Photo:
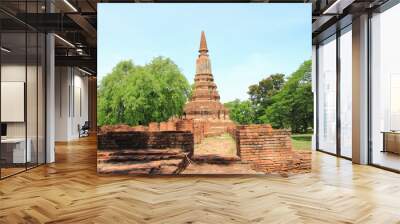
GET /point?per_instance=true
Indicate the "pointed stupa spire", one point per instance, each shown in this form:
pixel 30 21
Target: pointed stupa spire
pixel 203 43
pixel 205 102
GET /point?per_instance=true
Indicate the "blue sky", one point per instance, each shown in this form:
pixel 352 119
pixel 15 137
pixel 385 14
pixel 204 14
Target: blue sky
pixel 246 42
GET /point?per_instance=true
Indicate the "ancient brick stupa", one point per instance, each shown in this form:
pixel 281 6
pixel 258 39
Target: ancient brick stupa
pixel 204 103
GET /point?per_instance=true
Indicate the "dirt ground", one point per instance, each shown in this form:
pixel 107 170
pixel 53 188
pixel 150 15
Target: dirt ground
pixel 223 145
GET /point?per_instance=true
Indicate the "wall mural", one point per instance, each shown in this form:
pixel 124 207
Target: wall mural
pixel 152 121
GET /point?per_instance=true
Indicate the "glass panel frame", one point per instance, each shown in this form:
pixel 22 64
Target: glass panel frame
pixel 345 60
pixel 332 136
pixel 13 74
pixel 385 71
pixel 327 95
pixel 25 56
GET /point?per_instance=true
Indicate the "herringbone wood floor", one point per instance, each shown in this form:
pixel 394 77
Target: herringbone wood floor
pixel 70 191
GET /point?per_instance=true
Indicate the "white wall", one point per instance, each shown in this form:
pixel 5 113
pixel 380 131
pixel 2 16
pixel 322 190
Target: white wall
pixel 80 105
pixel 33 126
pixel 62 82
pixel 12 73
pixel 71 102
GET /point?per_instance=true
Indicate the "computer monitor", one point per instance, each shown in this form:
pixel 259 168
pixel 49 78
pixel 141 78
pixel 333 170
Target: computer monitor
pixel 3 129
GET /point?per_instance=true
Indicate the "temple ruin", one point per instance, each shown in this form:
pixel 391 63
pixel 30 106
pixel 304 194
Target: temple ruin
pixel 204 141
pixel 205 101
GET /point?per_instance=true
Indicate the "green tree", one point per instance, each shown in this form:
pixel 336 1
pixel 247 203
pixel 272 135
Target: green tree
pixel 261 94
pixel 111 108
pixel 292 107
pixel 137 95
pixel 241 112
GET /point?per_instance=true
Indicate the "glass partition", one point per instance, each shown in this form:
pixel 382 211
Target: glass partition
pixel 385 89
pixel 327 95
pixel 14 153
pixel 22 77
pixel 346 92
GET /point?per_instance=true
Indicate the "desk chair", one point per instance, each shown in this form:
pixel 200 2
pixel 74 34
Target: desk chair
pixel 84 130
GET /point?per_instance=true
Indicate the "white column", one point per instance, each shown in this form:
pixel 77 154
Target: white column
pixel 50 91
pixel 50 99
pixel 360 90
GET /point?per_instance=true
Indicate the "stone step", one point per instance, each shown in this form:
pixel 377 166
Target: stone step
pixel 170 166
pixel 166 151
pixel 140 158
pixel 139 155
pixel 213 134
pixel 216 159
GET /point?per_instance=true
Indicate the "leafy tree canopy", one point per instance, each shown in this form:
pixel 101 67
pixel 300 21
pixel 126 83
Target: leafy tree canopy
pixel 241 111
pixel 261 94
pixel 136 95
pixel 279 102
pixel 293 105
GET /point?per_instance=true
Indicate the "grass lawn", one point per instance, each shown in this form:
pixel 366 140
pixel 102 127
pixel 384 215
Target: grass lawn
pixel 301 141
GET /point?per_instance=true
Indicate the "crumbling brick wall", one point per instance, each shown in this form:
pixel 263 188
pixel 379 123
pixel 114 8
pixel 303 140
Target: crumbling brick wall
pixel 199 128
pixel 232 131
pixel 184 125
pixel 140 128
pixel 269 150
pixel 145 140
pixel 196 127
pixel 217 127
pixel 144 152
pixel 163 126
pixel 154 126
pixel 116 128
pixel 171 125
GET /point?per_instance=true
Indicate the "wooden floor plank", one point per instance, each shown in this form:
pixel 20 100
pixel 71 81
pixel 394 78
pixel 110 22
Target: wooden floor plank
pixel 70 191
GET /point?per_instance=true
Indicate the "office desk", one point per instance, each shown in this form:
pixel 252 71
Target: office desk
pixel 13 150
pixel 391 141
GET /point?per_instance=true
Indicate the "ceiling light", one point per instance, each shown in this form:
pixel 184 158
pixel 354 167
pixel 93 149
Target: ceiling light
pixel 79 51
pixel 5 50
pixel 70 5
pixel 84 71
pixel 64 40
pixel 332 8
pixel 337 7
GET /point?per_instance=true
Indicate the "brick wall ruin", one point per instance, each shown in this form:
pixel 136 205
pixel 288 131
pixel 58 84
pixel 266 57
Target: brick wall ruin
pixel 165 147
pixel 269 150
pixel 144 152
pixel 143 140
pixel 232 131
pixel 200 128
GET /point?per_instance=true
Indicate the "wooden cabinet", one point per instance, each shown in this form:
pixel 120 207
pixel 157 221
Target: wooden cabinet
pixel 391 142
